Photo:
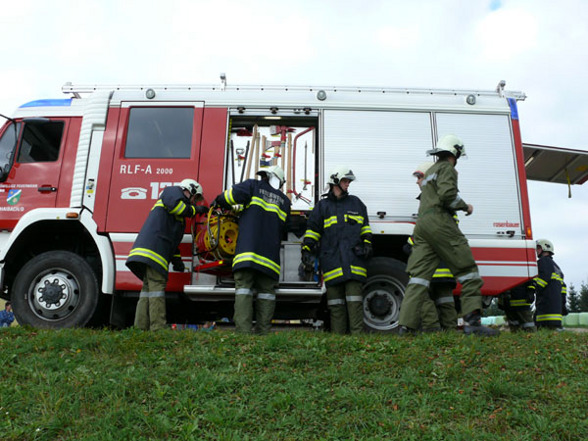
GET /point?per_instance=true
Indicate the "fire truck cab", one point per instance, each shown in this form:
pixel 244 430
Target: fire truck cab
pixel 78 177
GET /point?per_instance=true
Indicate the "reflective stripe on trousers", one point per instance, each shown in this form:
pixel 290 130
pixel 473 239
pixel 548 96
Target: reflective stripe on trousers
pixel 151 295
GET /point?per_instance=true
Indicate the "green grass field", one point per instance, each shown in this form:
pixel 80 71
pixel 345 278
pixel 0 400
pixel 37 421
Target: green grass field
pixel 299 385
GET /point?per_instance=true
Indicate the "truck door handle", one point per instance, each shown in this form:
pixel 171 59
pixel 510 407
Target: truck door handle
pixel 46 188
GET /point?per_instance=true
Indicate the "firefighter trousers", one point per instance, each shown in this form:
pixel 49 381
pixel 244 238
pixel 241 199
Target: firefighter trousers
pixel 247 283
pixel 150 313
pixel 345 303
pixel 429 316
pixel 437 238
pixel 442 295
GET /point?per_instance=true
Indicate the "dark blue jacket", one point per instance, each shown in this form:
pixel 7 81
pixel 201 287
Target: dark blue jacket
pixel 339 225
pixel 550 289
pixel 161 233
pixel 261 225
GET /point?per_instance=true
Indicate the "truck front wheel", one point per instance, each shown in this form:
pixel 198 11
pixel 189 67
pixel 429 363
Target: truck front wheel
pixel 383 293
pixel 56 289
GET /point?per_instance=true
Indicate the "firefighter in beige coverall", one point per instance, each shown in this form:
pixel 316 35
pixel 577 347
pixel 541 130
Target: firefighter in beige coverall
pixel 438 311
pixel 438 238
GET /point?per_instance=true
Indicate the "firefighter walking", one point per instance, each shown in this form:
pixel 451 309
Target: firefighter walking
pixel 338 231
pixel 256 265
pixel 550 303
pixel 157 245
pixel 438 311
pixel 438 238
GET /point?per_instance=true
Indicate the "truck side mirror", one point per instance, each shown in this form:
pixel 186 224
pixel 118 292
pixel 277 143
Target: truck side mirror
pixel 4 172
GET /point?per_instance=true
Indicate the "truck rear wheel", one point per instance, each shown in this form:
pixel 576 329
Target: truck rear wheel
pixel 56 289
pixel 383 293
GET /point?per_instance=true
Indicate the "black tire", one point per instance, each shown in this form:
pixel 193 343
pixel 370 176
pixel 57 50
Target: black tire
pixel 383 293
pixel 56 289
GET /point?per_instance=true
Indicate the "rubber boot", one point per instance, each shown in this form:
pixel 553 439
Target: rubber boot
pixel 473 325
pixel 157 314
pixel 403 331
pixel 142 314
pixel 264 312
pixel 355 311
pixel 243 316
pixel 338 319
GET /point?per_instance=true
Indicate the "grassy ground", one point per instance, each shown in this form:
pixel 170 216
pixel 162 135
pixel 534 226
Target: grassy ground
pixel 301 385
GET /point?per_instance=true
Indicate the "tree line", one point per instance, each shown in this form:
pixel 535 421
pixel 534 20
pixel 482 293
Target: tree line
pixel 578 301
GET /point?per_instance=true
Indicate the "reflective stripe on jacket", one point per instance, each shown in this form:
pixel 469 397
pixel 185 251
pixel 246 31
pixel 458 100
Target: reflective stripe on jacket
pixel 161 233
pixel 339 225
pixel 261 225
pixel 550 288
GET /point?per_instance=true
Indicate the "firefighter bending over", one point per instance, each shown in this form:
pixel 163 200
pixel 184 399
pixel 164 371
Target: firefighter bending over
pixel 438 238
pixel 338 231
pixel 157 245
pixel 256 266
pixel 551 295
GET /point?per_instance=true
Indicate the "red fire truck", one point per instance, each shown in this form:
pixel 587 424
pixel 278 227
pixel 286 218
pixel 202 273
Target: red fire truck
pixel 79 175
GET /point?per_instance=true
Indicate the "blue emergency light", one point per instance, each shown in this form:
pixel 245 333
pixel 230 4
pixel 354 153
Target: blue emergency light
pixel 49 103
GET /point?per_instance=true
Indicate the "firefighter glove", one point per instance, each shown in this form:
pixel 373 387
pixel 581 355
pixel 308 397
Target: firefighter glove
pixel 364 251
pixel 201 209
pixel 307 261
pixel 407 248
pixel 220 201
pixel 177 264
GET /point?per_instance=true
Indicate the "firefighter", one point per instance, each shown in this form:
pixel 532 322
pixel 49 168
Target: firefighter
pixel 256 265
pixel 157 245
pixel 338 231
pixel 516 304
pixel 550 297
pixel 439 309
pixel 438 238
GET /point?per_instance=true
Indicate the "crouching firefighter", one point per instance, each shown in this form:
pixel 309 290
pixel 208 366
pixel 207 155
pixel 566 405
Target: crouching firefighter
pixel 516 304
pixel 256 265
pixel 157 245
pixel 338 231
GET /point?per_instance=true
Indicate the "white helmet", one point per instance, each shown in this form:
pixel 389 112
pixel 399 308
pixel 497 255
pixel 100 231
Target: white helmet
pixel 545 245
pixel 338 173
pixel 421 170
pixel 275 172
pixel 193 187
pixel 451 144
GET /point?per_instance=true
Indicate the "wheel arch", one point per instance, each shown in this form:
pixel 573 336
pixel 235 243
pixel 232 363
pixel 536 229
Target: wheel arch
pixel 51 230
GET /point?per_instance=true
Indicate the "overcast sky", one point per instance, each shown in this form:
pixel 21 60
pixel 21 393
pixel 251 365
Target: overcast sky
pixel 539 47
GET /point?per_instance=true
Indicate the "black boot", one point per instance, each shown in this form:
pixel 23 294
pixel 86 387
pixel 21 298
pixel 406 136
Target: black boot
pixel 403 331
pixel 473 325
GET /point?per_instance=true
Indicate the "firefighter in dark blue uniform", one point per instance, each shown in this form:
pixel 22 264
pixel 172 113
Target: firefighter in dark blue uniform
pixel 256 265
pixel 338 231
pixel 550 297
pixel 516 304
pixel 157 245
